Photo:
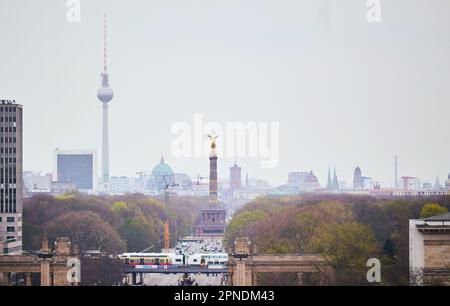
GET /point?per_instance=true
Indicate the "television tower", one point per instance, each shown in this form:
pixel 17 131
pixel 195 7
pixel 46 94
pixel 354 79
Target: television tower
pixel 105 95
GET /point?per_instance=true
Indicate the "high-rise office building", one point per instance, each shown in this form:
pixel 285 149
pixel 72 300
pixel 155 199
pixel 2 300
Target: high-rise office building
pixel 11 187
pixel 76 167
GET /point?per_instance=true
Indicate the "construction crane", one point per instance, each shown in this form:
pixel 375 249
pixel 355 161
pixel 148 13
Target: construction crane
pixel 166 236
pixel 166 189
pixel 199 178
pixel 166 201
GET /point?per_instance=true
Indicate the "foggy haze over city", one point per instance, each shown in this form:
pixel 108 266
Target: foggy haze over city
pixel 345 92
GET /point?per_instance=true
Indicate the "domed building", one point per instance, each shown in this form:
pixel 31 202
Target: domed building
pixel 162 174
pixel 310 183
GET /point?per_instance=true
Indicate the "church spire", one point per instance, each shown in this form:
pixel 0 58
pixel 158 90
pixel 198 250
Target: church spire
pixel 329 187
pixel 335 180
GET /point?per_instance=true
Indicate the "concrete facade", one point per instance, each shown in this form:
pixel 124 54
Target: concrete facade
pixel 243 266
pixel 212 223
pixel 11 181
pixel 429 250
pixel 58 267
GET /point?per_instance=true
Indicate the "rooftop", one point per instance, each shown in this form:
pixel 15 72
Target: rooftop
pixel 443 217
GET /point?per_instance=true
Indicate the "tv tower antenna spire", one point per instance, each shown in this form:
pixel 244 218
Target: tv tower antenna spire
pixel 104 48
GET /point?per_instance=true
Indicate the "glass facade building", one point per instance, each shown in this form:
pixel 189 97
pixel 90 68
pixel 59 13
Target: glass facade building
pixel 77 168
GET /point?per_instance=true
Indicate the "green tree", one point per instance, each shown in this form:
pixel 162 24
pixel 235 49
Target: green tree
pixel 432 209
pixel 87 230
pixel 346 247
pixel 140 234
pixel 243 224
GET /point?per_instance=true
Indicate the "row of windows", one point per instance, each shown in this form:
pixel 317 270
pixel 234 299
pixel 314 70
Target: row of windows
pixel 8 150
pixel 11 181
pixel 8 209
pixel 7 174
pixel 8 139
pixel 11 160
pixel 6 197
pixel 7 119
pixel 6 129
pixel 8 109
pixel 8 219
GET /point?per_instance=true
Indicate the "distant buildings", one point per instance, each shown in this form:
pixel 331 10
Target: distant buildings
pixel 299 182
pixel 58 188
pixel 447 182
pixel 119 184
pixel 333 183
pixel 162 175
pixel 297 179
pixel 311 183
pixel 36 182
pixel 410 183
pixel 11 186
pixel 368 183
pixel 358 181
pixel 235 177
pixel 437 183
pixel 76 167
pixel 427 185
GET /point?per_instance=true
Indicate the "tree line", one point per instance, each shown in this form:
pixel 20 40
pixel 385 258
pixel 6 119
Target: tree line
pixel 347 230
pixel 108 224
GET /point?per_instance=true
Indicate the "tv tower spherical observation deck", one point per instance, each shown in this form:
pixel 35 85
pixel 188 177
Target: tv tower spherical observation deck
pixel 105 93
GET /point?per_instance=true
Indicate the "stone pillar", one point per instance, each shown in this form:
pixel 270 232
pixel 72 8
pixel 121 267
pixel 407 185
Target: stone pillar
pixel 213 179
pixel 242 275
pixel 6 278
pixel 62 246
pixel 299 278
pixel 28 279
pixel 254 279
pixel 45 273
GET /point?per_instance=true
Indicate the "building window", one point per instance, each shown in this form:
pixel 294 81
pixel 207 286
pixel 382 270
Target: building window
pixel 1 218
pixel 10 219
pixel 10 229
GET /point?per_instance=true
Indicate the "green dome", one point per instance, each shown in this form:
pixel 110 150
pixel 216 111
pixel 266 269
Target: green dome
pixel 162 175
pixel 162 169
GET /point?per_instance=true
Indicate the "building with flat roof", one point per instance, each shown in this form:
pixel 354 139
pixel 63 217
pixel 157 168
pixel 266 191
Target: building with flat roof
pixel 36 182
pixel 77 167
pixel 11 186
pixel 429 250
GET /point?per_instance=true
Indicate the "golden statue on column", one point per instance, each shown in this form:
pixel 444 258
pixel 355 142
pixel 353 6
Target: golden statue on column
pixel 213 143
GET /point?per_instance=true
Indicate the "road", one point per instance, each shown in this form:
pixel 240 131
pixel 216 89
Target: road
pixel 208 245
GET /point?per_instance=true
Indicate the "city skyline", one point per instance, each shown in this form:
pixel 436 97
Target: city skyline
pixel 165 72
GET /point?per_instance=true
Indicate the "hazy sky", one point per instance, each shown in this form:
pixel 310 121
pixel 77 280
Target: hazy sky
pixel 345 91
